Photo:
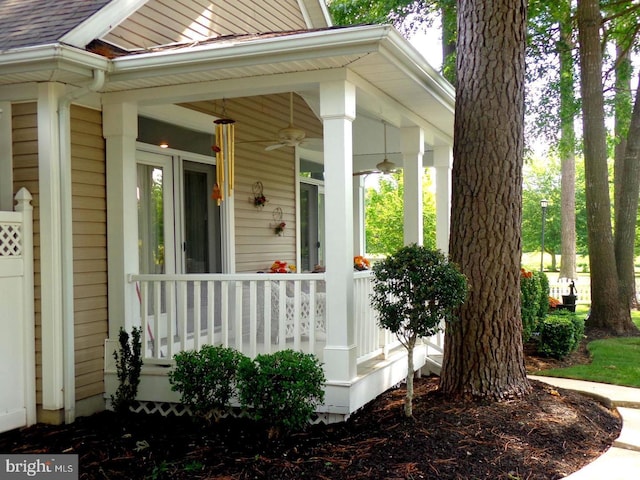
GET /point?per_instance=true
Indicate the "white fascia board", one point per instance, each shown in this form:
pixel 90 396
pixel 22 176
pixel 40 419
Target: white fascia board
pixel 101 22
pixel 355 40
pixel 56 56
pixel 177 115
pixel 406 56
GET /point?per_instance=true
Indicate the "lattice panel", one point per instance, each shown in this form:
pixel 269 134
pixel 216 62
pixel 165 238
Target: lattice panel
pixel 166 409
pixel 10 240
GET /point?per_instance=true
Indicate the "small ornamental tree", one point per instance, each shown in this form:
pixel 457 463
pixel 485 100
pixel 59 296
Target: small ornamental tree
pixel 414 291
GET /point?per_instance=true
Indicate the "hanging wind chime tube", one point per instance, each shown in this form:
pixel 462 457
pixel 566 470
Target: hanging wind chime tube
pixel 225 157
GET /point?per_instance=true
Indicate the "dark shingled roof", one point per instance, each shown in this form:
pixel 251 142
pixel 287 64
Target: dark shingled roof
pixel 25 23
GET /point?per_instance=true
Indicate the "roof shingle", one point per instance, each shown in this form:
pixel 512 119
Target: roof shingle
pixel 25 23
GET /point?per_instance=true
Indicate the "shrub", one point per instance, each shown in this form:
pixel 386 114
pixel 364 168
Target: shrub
pixel 281 389
pixel 560 334
pixel 414 291
pixel 543 294
pixel 206 379
pixel 128 367
pixel 529 302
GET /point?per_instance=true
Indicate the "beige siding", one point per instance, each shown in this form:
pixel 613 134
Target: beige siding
pixel 161 22
pixel 260 118
pixel 89 249
pixel 25 174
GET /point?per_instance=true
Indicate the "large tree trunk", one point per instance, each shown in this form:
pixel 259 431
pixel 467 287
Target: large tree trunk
pixel 609 309
pixel 626 176
pixel 567 148
pixel 627 209
pixel 483 350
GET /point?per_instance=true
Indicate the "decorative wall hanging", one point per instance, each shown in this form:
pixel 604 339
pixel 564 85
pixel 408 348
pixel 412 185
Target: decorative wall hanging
pixel 279 225
pixel 225 157
pixel 259 200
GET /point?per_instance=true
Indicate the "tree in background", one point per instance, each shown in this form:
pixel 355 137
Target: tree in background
pixel 542 180
pixel 384 214
pixel 609 307
pixel 483 356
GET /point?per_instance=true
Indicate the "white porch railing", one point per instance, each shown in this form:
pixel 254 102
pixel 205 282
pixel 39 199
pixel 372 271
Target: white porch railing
pixel 253 313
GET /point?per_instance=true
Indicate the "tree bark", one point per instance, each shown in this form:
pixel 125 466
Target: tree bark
pixel 567 149
pixel 609 309
pixel 627 209
pixel 483 355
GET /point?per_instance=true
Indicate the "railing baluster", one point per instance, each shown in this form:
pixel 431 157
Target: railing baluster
pixel 313 321
pixel 253 319
pixel 157 310
pixel 171 327
pixel 282 314
pixel 197 299
pixel 225 313
pixel 267 315
pixel 238 316
pixel 143 291
pixel 210 312
pixel 182 315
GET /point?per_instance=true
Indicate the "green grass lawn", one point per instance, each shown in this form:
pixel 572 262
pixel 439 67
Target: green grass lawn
pixel 615 361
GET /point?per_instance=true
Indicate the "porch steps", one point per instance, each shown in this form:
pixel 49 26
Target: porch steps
pixel 433 365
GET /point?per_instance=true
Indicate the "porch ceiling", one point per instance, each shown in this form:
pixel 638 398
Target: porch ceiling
pixel 384 66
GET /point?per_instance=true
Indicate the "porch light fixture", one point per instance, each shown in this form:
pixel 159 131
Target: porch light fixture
pixel 164 145
pixel 225 154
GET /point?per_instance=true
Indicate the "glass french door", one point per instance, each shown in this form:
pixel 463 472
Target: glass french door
pixel 201 225
pixel 312 225
pixel 178 223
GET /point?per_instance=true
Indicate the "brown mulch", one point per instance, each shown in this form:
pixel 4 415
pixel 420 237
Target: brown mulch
pixel 547 435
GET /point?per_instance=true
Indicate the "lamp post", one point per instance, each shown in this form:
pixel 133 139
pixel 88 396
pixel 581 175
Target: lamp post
pixel 543 205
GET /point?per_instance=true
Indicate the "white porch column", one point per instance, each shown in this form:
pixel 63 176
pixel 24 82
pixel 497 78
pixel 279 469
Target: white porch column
pixel 337 109
pixel 412 146
pixel 120 129
pixel 6 158
pixel 359 243
pixel 50 245
pixel 443 162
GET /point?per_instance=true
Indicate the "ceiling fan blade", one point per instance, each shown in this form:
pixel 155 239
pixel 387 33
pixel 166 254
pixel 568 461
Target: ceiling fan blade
pixel 275 146
pixel 366 172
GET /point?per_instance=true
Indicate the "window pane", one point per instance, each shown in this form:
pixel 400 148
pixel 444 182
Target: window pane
pixel 151 241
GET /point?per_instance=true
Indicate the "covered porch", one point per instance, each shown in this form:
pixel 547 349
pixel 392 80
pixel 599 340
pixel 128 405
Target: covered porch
pixel 350 84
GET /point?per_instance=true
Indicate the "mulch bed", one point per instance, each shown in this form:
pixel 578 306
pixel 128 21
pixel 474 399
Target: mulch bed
pixel 547 435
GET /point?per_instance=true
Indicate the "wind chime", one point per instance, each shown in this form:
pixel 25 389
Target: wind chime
pixel 225 157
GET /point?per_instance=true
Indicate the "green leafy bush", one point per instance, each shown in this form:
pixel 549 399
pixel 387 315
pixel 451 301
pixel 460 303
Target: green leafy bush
pixel 543 294
pixel 560 334
pixel 206 379
pixel 529 302
pixel 414 291
pixel 282 388
pixel 128 367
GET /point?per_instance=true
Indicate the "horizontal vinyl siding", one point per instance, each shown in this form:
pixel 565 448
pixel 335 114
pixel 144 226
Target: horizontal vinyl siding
pixel 25 174
pixel 260 118
pixel 161 22
pixel 89 249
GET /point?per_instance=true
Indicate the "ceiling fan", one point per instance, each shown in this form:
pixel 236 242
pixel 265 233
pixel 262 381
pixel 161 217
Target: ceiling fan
pixel 291 136
pixel 385 166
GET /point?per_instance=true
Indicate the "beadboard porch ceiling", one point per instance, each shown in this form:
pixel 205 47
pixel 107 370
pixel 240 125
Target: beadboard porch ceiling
pixel 383 65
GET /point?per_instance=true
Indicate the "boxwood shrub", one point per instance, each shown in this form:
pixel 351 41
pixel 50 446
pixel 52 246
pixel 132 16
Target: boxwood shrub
pixel 560 334
pixel 206 379
pixel 281 389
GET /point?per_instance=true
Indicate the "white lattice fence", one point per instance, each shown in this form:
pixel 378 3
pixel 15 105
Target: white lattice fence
pixel 17 350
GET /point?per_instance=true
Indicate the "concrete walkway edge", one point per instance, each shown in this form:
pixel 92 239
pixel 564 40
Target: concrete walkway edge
pixel 622 460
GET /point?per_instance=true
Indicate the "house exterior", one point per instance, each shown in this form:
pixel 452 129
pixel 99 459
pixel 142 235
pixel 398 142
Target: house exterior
pixel 108 120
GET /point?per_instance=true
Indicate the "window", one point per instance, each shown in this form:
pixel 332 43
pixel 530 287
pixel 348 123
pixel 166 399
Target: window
pixel 312 226
pixel 178 222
